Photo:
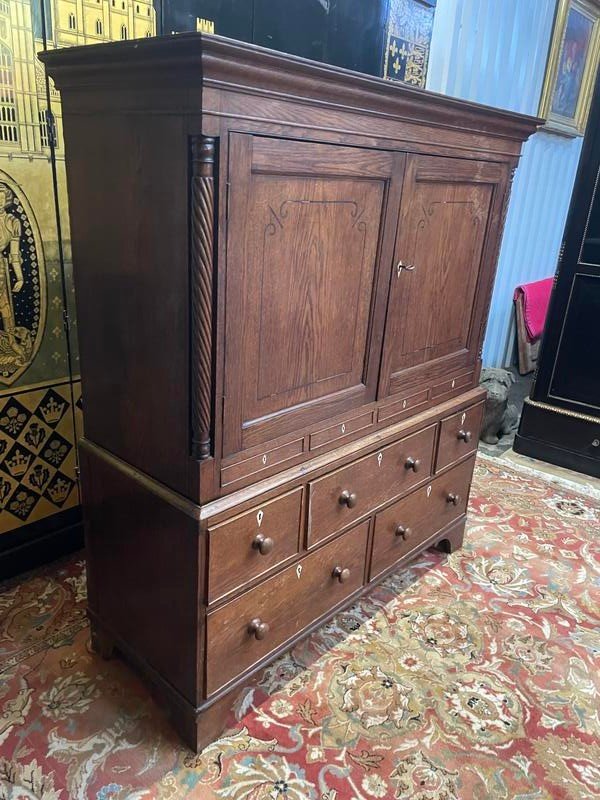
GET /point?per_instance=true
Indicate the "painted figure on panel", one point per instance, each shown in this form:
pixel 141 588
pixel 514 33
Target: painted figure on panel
pixel 15 340
pixel 572 63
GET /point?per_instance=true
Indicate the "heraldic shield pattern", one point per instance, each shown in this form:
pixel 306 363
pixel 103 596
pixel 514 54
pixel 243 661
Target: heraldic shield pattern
pixel 37 454
pixel 474 675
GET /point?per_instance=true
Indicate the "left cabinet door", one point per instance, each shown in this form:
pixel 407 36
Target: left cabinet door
pixel 309 248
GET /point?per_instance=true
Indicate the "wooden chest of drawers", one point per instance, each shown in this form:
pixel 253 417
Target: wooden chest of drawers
pixel 280 330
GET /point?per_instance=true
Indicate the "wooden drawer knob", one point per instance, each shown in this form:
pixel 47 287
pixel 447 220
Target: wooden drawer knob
pixel 405 533
pixel 258 628
pixel 453 498
pixel 341 574
pixel 466 436
pixel 348 499
pixel 264 544
pixel 413 463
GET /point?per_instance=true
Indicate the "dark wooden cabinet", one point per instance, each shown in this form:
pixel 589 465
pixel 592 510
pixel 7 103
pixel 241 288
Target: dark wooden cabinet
pixel 560 422
pixel 283 272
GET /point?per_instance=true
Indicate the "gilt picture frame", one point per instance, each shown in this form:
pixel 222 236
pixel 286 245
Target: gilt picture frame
pixel 571 68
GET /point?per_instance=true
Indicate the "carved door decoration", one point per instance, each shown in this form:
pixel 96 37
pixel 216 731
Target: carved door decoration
pixel 302 278
pixel 22 283
pixel 441 247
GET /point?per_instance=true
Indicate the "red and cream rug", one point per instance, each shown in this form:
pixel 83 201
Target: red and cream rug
pixel 470 676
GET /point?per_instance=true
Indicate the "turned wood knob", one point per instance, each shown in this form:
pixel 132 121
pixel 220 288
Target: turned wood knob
pixel 413 463
pixel 264 544
pixel 348 498
pixel 453 498
pixel 341 574
pixel 258 628
pixel 466 436
pixel 405 533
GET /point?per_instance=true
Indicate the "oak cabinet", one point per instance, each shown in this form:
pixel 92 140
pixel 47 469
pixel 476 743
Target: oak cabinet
pixel 282 276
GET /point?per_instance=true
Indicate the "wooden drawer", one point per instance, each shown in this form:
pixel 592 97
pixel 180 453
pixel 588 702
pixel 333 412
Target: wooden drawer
pixel 261 462
pixel 341 429
pixel 459 435
pixel 252 543
pixel 286 603
pixel 367 483
pixel 404 526
pixel 452 384
pixel 404 405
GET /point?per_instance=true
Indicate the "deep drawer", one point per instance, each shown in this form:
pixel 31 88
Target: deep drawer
pixel 248 545
pixel 459 435
pixel 338 499
pixel 248 628
pixel 405 525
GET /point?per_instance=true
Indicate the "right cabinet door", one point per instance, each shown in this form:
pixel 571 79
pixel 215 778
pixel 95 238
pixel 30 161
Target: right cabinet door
pixel 446 249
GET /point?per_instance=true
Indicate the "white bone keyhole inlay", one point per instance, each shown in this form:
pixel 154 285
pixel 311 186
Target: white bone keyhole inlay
pixel 379 459
pixel 404 404
pixel 299 571
pixel 462 419
pixel 343 427
pixel 453 384
pixel 429 491
pixel 264 459
pixel 259 517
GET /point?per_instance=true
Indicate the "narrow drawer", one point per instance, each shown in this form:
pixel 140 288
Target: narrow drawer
pixel 450 385
pixel 258 463
pixel 404 526
pixel 250 627
pixel 252 543
pixel 338 499
pixel 459 435
pixel 342 429
pixel 403 405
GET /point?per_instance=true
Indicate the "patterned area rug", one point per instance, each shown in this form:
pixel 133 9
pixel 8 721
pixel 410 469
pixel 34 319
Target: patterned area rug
pixel 469 676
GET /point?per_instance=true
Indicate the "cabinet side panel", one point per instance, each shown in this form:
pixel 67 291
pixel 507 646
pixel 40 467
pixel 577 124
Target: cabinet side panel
pixel 143 565
pixel 128 192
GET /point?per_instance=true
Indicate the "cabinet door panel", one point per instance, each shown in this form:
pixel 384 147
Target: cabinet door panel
pixel 305 234
pixel 444 262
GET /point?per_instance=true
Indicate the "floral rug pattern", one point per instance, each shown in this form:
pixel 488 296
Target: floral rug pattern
pixel 475 675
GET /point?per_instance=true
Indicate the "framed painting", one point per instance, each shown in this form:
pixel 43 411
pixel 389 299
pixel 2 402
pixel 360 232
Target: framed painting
pixel 571 68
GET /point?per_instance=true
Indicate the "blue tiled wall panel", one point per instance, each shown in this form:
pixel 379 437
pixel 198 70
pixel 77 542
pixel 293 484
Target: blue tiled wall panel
pixel 495 53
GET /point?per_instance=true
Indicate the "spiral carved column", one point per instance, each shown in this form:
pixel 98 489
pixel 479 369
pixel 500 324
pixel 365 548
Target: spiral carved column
pixel 202 254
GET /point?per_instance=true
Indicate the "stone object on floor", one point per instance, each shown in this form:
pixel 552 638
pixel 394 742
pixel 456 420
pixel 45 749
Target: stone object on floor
pixel 500 418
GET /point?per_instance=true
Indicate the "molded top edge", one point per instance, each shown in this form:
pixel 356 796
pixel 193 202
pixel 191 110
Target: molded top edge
pixel 203 57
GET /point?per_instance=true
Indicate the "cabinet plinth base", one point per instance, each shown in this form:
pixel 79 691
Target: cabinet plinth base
pixel 452 540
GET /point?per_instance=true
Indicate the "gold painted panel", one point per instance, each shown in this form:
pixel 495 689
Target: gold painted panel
pixel 40 409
